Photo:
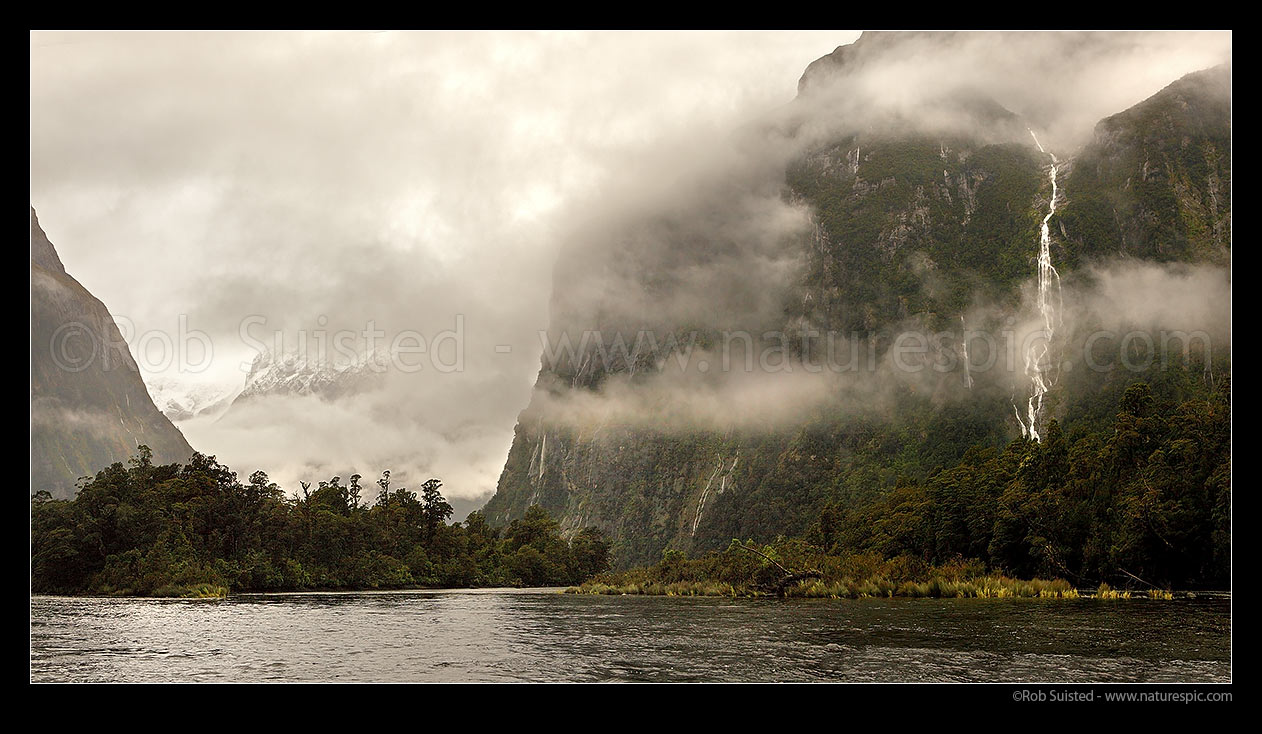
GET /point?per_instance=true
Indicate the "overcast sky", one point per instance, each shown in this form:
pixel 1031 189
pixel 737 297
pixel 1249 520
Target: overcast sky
pixel 408 180
pixel 336 179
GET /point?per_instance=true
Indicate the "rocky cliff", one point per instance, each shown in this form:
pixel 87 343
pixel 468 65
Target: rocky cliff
pixel 905 227
pixel 89 406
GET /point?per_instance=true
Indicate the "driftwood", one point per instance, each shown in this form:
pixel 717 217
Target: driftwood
pixel 1128 573
pixel 790 577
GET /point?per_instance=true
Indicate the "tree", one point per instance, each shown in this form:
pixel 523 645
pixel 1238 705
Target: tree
pixel 589 554
pixel 434 508
pixel 383 498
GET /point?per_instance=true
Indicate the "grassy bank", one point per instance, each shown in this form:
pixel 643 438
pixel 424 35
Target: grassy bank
pixel 988 587
pixel 794 569
pixel 197 591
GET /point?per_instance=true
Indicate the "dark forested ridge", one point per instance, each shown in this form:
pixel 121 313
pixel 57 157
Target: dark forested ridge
pixel 1146 499
pixel 1142 501
pixel 194 529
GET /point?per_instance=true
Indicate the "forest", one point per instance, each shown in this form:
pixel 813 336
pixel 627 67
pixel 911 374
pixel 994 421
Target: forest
pixel 195 530
pixel 1143 504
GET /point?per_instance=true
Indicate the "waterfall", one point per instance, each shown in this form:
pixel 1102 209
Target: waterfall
pixel 968 375
pixel 705 493
pixel 1039 373
pixel 696 520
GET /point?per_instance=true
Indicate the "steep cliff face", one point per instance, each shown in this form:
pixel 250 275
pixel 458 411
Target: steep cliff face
pixel 905 228
pixel 89 406
pixel 1155 183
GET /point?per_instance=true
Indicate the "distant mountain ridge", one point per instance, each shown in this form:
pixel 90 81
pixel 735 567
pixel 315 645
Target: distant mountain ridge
pixel 293 373
pixel 180 400
pixel 298 372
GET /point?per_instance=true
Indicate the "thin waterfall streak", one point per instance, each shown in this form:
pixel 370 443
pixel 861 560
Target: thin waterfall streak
pixel 1048 277
pixel 696 521
pixel 968 375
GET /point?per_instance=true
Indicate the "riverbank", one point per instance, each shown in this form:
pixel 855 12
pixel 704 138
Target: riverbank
pixel 988 587
pixel 795 569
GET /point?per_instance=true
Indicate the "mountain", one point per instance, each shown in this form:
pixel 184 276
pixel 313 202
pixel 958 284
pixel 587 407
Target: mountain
pixel 89 405
pixel 294 372
pixel 180 400
pixel 1155 182
pixel 911 227
pixel 303 372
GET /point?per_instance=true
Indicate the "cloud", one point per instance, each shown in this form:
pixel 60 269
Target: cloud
pixel 330 181
pixel 1151 295
pixel 1060 83
pixel 397 181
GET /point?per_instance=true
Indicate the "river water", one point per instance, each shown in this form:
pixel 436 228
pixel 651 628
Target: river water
pixel 542 635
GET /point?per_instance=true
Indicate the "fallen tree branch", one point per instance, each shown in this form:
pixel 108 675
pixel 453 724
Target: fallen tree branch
pixel 790 577
pixel 742 546
pixel 1128 573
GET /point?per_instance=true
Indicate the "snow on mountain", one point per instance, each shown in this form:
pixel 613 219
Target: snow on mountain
pixel 289 373
pixel 181 400
pixel 301 373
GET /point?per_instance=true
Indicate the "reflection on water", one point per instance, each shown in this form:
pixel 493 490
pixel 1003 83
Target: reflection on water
pixel 509 635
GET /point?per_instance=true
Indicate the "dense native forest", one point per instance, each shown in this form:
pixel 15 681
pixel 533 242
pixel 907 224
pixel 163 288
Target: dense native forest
pixel 1148 500
pixel 975 203
pixel 1144 503
pixel 194 529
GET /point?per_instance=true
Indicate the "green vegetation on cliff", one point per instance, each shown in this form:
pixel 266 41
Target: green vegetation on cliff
pixel 891 212
pixel 1156 181
pixel 1145 501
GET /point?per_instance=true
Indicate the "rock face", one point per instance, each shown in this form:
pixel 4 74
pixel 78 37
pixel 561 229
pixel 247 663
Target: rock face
pixel 906 228
pixel 89 405
pixel 1156 181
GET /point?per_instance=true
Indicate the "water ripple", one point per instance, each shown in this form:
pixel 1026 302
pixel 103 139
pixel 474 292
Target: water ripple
pixel 533 635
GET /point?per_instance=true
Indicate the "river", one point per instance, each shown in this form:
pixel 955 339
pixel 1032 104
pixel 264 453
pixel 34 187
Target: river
pixel 542 635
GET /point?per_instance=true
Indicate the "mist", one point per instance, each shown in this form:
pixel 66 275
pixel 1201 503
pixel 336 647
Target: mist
pixel 1059 83
pixel 521 183
pixel 705 237
pixel 341 182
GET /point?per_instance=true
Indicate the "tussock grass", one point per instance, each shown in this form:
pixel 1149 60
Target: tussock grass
pixel 985 587
pixel 677 588
pixel 1108 592
pixel 738 572
pixel 195 591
